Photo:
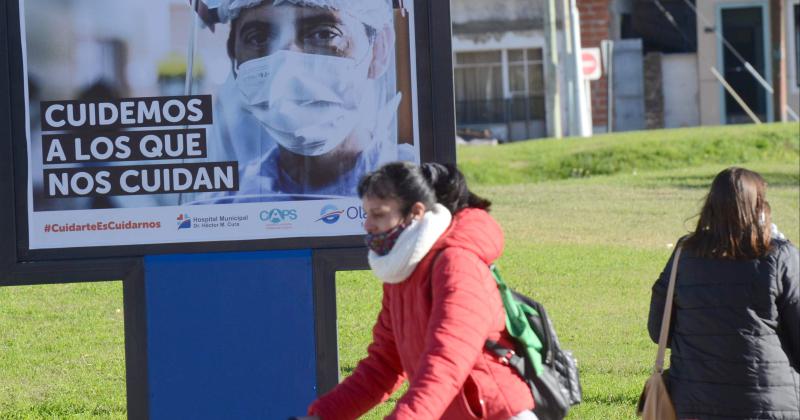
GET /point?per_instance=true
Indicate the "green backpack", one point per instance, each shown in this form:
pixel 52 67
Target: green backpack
pixel 551 373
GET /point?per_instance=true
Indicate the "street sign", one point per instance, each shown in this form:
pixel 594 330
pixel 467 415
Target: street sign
pixel 591 64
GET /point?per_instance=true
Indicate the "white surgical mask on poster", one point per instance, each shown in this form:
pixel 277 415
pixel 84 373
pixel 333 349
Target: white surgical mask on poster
pixel 309 103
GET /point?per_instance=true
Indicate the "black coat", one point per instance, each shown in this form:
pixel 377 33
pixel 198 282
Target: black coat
pixel 735 335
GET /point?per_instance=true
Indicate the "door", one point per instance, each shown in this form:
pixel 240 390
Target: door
pixel 743 28
pixel 628 79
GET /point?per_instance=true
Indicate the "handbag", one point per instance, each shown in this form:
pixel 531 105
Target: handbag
pixel 655 403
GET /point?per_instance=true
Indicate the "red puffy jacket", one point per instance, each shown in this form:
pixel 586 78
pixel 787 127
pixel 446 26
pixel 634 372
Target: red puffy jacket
pixel 431 329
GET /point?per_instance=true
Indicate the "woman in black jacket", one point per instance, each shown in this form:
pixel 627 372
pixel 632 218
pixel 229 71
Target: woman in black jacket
pixel 735 333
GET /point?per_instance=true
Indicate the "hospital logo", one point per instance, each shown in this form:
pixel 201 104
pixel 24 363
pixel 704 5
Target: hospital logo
pixel 184 222
pixel 330 214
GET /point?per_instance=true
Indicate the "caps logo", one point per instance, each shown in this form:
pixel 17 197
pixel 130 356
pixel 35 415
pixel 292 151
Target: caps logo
pixel 277 216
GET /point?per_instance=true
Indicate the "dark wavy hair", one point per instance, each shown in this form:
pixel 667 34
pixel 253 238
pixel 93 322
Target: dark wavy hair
pixel 429 183
pixel 735 219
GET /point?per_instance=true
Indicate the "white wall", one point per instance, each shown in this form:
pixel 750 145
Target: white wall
pixel 681 90
pixel 499 41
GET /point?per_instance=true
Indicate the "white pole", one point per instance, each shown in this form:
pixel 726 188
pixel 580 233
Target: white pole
pixel 588 89
pixel 792 114
pixel 584 117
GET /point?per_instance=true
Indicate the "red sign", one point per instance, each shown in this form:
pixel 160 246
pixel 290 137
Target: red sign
pixel 590 63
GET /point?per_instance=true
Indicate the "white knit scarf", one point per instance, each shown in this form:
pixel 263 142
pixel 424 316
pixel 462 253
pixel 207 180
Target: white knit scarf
pixel 411 247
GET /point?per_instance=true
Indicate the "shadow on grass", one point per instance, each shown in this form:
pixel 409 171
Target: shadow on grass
pixel 782 179
pixel 703 182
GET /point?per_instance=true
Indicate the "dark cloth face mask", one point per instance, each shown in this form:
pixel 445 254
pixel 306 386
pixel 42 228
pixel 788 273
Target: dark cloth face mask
pixel 382 243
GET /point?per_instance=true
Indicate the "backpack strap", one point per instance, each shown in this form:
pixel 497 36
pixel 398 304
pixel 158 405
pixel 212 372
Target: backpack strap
pixel 548 340
pixel 518 324
pixel 507 356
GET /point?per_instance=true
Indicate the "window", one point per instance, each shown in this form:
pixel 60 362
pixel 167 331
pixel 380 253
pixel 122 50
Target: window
pixel 479 75
pixel 492 87
pixel 479 86
pixel 526 84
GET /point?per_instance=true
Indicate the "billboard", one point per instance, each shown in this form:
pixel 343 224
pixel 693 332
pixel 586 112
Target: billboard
pixel 150 122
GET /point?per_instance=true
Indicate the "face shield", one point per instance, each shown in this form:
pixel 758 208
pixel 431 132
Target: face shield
pixel 312 72
pixel 374 13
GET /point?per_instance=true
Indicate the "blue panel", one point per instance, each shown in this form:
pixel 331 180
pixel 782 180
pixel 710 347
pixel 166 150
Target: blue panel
pixel 230 335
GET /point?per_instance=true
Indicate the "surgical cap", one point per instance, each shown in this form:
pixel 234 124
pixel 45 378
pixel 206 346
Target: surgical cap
pixel 374 13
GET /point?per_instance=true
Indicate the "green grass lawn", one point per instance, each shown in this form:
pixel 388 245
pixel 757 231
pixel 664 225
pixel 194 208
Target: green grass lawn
pixel 588 243
pixel 62 352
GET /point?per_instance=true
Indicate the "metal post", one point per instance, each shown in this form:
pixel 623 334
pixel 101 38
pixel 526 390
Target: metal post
pixel 608 57
pixel 552 79
pixel 583 116
pixel 778 57
pixel 570 70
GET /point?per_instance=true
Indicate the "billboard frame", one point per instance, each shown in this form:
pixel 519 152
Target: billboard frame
pixel 19 265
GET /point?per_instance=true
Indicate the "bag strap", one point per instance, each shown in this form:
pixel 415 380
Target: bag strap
pixel 546 337
pixel 533 346
pixel 507 356
pixel 663 337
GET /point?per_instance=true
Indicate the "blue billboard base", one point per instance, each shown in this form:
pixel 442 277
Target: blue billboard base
pixel 230 335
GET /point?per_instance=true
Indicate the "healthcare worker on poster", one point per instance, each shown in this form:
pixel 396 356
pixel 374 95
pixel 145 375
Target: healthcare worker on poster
pixel 311 101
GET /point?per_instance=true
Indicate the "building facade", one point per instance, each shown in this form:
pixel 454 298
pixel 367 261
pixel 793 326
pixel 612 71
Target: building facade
pixel 498 69
pixel 737 38
pixel 751 44
pixel 657 72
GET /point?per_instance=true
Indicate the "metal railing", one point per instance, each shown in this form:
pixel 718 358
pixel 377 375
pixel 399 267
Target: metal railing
pixel 500 111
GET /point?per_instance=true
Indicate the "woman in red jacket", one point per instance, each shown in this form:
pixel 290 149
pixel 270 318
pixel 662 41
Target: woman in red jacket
pixel 431 241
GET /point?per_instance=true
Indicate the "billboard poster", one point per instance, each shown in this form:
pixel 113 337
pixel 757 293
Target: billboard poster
pixel 178 121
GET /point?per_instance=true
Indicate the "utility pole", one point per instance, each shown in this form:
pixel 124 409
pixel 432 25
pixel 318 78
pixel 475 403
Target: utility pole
pixel 607 46
pixel 568 61
pixel 552 88
pixel 778 57
pixel 581 118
